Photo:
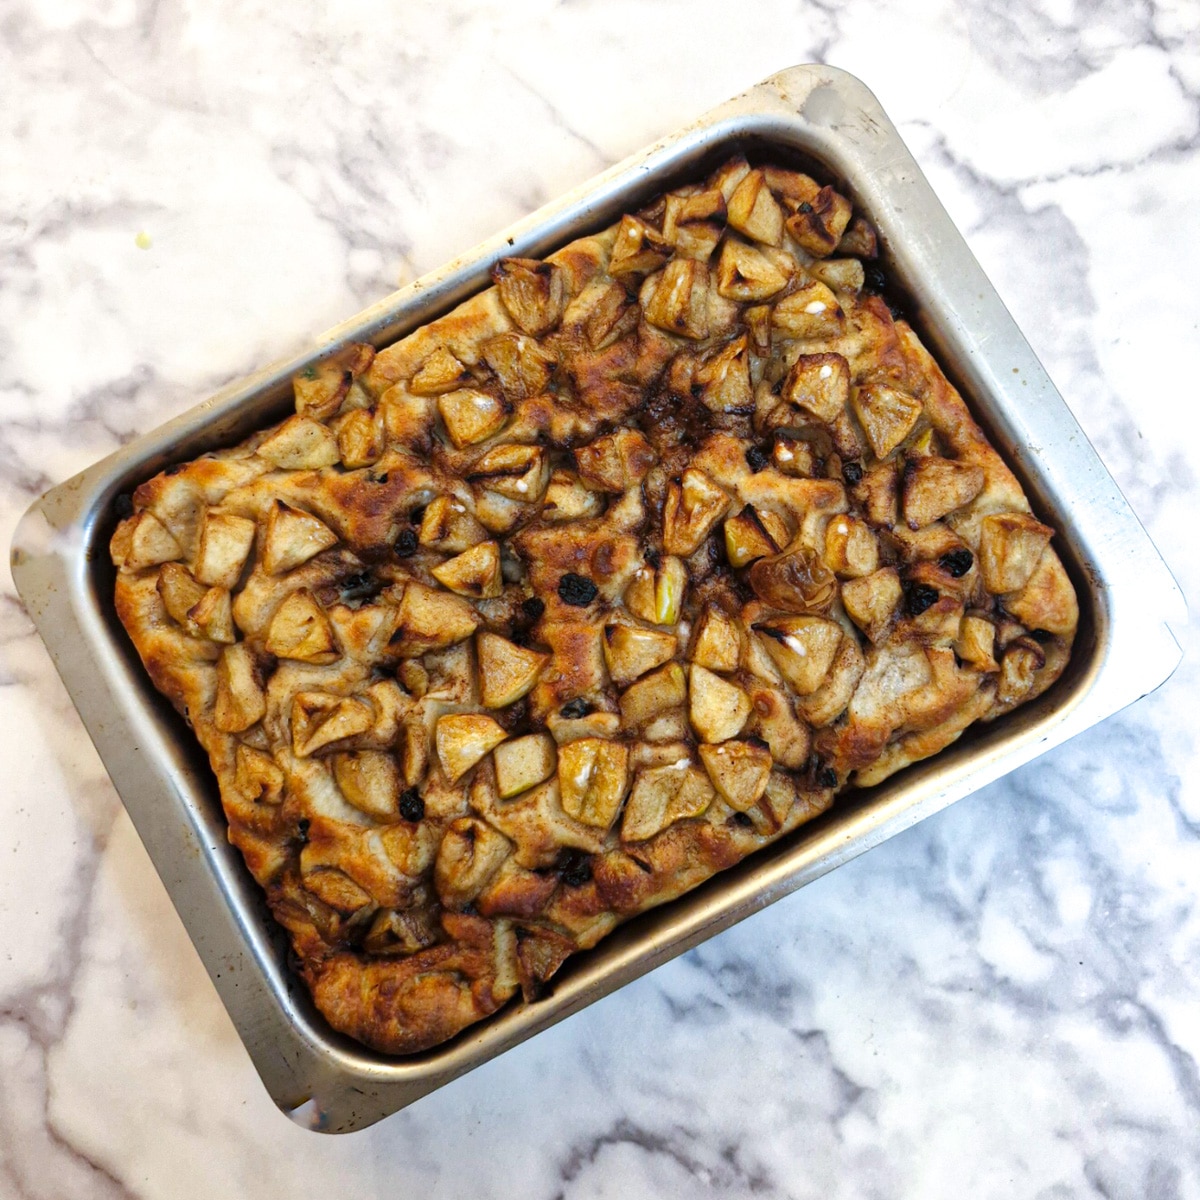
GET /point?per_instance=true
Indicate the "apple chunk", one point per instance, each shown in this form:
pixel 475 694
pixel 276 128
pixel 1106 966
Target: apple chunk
pixel 506 671
pixel 630 651
pixel 593 777
pixel 523 763
pixel 718 708
pixel 739 771
pixel 462 739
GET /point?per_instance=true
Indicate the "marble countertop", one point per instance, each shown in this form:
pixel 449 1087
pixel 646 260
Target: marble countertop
pixel 1003 1001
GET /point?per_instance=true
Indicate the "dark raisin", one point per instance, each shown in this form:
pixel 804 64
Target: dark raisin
pixel 417 515
pixel 874 280
pixel 740 818
pixel 852 473
pixel 515 718
pixel 362 585
pixel 302 827
pixel 577 590
pixel 406 544
pixel 533 608
pixel 1041 636
pixel 574 867
pixel 897 309
pixel 574 709
pixel 653 557
pixel 756 459
pixel 412 807
pixel 123 505
pixel 805 207
pixel 918 597
pixel 827 777
pixel 957 562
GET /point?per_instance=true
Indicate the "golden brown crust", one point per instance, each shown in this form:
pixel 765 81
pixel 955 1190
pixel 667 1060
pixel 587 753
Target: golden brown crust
pixel 556 607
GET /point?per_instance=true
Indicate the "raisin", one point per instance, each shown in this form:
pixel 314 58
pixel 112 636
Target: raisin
pixel 827 777
pixel 380 478
pixel 412 807
pixel 406 544
pixel 852 473
pixel 918 597
pixel 123 505
pixel 756 460
pixel 805 207
pixel 573 709
pixel 417 515
pixel 533 608
pixel 302 827
pixel 740 818
pixel 1041 636
pixel 574 868
pixel 957 562
pixel 577 590
pixel 653 557
pixel 874 280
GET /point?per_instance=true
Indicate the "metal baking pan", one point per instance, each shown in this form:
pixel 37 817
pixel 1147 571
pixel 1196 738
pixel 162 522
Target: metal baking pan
pixel 813 116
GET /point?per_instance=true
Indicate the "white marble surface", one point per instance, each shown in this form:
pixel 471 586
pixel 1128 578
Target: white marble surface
pixel 1003 1002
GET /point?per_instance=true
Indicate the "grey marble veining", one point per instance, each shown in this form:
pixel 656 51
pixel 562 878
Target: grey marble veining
pixel 1002 1002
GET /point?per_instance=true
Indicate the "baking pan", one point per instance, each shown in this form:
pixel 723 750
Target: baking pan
pixel 811 116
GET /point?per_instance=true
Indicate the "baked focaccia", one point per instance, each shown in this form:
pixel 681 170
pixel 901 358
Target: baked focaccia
pixel 576 596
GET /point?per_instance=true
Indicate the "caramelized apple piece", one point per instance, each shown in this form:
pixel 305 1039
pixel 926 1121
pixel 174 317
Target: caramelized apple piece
pixel 656 595
pixel 694 505
pixel 300 630
pixel 441 372
pixel 746 274
pixel 871 602
pixel 359 439
pixel 533 292
pixel 370 781
pixel 638 250
pixel 463 739
pixel 851 550
pixel 471 416
pixel 935 487
pixel 593 777
pixel 225 541
pixel 716 641
pixel 1010 547
pixel 630 651
pixel 803 648
pixel 616 462
pixel 886 414
pixel 292 537
pixel 718 709
pixel 300 444
pixel 811 311
pixel 663 795
pixel 429 619
pixel 755 212
pixel 447 525
pixel 679 304
pixel 522 366
pixel 506 671
pixel 819 384
pixel 739 771
pixel 240 701
pixel 474 572
pixel 523 763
